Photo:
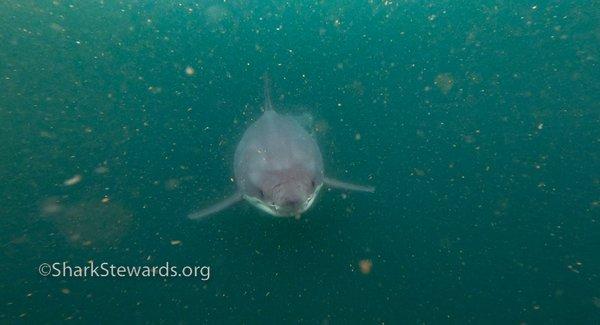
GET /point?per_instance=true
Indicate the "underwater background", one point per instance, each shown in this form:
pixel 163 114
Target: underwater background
pixel 477 122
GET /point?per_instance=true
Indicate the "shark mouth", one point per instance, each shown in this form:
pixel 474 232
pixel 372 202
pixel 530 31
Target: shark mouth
pixel 274 209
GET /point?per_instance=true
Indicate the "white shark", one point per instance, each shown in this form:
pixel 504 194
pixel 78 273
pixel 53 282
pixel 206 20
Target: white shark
pixel 278 167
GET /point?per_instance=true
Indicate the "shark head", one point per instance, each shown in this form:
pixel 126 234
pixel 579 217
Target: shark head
pixel 286 193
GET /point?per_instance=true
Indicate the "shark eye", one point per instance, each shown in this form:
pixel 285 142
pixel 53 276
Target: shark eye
pixel 262 194
pixel 312 183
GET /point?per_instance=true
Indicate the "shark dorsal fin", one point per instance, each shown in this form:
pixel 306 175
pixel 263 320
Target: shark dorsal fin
pixel 267 93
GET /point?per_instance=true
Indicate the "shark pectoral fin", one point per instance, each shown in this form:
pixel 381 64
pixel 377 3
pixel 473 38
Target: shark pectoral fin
pixel 347 186
pixel 216 207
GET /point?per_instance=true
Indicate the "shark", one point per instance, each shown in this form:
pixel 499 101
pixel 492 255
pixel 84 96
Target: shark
pixel 278 167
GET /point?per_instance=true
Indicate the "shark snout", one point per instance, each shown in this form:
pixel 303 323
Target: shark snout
pixel 292 198
pixel 293 203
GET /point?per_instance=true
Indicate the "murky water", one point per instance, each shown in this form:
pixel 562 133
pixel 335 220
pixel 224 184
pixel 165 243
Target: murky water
pixel 477 123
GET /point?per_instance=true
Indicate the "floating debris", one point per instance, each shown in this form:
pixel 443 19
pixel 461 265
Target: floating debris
pixel 73 180
pixel 418 172
pixel 175 242
pixel 154 89
pixel 101 170
pixel 468 138
pixel 365 266
pixel 57 28
pixel 321 126
pixel 216 14
pixel 172 184
pixel 444 82
pixel 51 206
pixel 190 71
pixel 47 135
pixel 92 223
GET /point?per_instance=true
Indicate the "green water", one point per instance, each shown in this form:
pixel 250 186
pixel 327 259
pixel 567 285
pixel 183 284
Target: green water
pixel 478 122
